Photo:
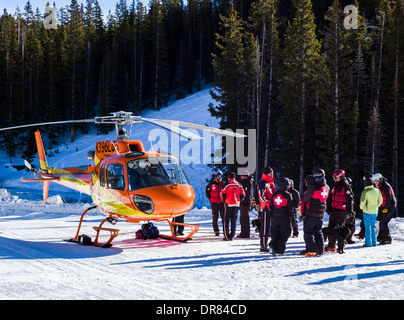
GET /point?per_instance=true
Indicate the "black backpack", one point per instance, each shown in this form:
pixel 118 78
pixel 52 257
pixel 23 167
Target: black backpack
pixel 84 240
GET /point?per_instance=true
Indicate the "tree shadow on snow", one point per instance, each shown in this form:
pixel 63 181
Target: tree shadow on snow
pixel 28 250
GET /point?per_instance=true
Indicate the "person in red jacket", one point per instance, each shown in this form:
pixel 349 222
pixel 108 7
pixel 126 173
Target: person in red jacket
pixel 213 193
pixel 266 189
pixel 339 204
pixel 387 210
pixel 232 194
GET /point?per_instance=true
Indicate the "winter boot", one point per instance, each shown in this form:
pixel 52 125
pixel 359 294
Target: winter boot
pixel 310 254
pixel 264 249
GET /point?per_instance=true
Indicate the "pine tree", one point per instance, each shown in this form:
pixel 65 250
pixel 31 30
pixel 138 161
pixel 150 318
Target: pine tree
pixel 158 73
pixel 339 118
pixel 138 55
pixel 235 72
pixel 303 68
pixel 75 48
pixel 8 69
pixel 379 37
pixel 90 40
pixel 229 66
pixel 394 61
pixel 263 17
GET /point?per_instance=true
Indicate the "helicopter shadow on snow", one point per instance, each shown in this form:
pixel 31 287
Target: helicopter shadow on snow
pixel 31 250
pixel 198 261
pixel 133 243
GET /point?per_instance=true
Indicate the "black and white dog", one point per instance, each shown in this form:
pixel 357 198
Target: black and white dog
pixel 340 233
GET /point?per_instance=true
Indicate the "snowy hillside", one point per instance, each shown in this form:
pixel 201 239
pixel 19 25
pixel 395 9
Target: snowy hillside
pixel 35 262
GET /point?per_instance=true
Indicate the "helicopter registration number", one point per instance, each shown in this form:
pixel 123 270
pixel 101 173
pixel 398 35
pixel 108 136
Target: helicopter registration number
pixel 105 147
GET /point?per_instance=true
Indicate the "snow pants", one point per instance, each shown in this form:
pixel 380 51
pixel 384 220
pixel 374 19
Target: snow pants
pixel 245 221
pixel 369 220
pixel 230 216
pixel 336 219
pixel 178 229
pixel 313 235
pixel 265 228
pixel 217 209
pixel 280 233
pixel 384 219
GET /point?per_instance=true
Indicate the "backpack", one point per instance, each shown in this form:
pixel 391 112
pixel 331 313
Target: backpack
pixel 140 234
pixel 149 231
pixel 84 240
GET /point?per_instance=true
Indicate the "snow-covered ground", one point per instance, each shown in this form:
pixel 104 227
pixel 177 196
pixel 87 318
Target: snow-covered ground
pixel 35 262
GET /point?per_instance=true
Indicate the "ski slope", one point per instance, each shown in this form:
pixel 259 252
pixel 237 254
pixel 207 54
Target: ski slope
pixel 35 262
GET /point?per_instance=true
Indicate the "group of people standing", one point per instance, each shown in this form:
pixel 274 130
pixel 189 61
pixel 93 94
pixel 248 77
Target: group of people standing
pixel 227 199
pixel 278 202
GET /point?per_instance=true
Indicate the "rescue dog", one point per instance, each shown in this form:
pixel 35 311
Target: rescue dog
pixel 340 233
pixel 257 224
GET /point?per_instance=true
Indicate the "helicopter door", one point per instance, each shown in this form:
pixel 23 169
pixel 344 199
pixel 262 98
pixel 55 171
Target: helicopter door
pixel 115 176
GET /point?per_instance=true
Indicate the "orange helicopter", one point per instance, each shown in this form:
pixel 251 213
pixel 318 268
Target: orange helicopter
pixel 126 181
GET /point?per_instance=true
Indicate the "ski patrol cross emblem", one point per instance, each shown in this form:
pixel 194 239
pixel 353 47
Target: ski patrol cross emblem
pixel 279 201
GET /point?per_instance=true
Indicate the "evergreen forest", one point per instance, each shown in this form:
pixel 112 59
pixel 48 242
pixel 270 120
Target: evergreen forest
pixel 322 85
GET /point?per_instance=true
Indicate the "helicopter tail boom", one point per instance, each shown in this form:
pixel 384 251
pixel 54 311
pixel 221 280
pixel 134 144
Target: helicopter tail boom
pixel 43 163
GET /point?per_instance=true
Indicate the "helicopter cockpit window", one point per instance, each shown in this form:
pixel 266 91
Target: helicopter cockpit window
pixel 102 176
pixel 115 176
pixel 151 172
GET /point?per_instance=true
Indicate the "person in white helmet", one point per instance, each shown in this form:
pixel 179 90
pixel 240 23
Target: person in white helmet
pixel 387 210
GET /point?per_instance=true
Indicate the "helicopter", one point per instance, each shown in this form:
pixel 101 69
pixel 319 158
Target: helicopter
pixel 125 181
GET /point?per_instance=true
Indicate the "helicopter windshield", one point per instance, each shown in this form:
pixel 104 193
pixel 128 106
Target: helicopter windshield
pixel 156 171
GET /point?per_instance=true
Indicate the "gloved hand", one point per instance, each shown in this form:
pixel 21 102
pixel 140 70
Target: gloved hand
pixel 301 218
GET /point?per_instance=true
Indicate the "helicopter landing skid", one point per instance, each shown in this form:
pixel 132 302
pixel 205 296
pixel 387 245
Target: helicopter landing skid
pixel 113 232
pixel 173 236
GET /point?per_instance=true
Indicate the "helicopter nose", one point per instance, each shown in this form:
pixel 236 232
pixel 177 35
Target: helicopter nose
pixel 170 200
pixel 176 200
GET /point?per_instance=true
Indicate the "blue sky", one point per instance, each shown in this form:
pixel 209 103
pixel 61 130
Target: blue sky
pixel 11 5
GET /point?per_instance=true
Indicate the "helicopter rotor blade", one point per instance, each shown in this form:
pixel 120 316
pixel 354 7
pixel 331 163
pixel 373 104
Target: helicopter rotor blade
pixel 169 125
pixel 28 165
pixel 198 126
pixel 122 118
pixel 30 169
pixel 47 123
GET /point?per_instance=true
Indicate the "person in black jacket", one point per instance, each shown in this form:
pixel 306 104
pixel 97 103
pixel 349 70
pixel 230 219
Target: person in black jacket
pixel 296 204
pixel 387 210
pixel 247 182
pixel 313 209
pixel 281 211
